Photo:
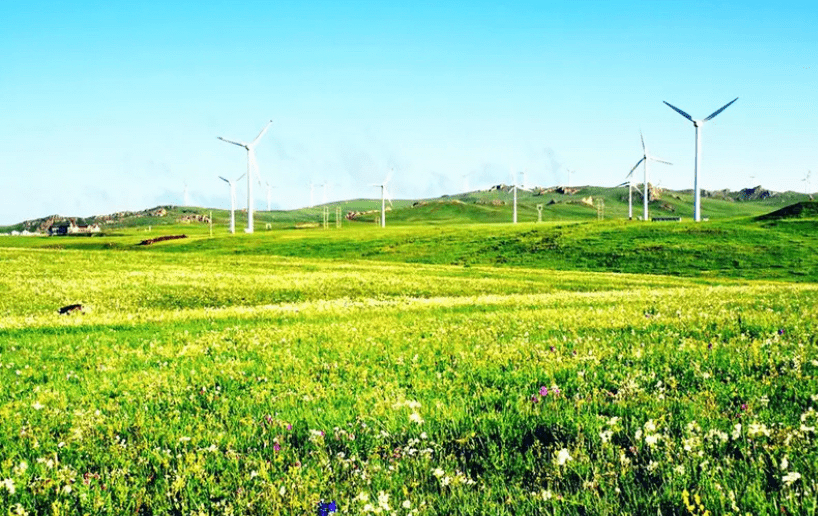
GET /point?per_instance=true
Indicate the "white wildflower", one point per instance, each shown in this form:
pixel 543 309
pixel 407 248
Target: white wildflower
pixel 8 485
pixel 415 418
pixel 784 463
pixel 736 431
pixel 791 477
pixel 383 501
pixel 37 406
pixel 563 456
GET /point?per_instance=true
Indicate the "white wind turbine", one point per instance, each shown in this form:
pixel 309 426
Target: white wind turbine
pixel 697 212
pixel 251 165
pixel 384 196
pixel 232 201
pixel 645 158
pixel 269 196
pixel 806 181
pixel 514 189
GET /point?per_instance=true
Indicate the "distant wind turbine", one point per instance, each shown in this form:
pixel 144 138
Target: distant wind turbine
pixel 185 200
pixel 384 196
pixel 251 166
pixel 697 212
pixel 232 201
pixel 645 158
pixel 514 189
pixel 806 183
pixel 269 196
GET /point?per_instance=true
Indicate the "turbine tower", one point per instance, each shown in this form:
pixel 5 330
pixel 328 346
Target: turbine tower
pixel 645 158
pixel 251 165
pixel 269 195
pixel 514 189
pixel 232 201
pixel 697 195
pixel 384 196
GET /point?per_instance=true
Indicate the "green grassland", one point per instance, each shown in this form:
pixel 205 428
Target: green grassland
pixel 570 367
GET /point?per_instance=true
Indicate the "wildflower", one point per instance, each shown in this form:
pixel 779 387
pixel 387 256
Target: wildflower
pixel 757 429
pixel 555 389
pixel 438 472
pixel 791 477
pixel 8 485
pixel 535 398
pixel 563 456
pixel 362 497
pixel 184 439
pixel 38 406
pixel 325 508
pixel 784 463
pixel 652 439
pixel 415 418
pixel 543 391
pixel 781 331
pixel 406 504
pixel 383 501
pixel 606 436
pixel 736 431
pixel 276 447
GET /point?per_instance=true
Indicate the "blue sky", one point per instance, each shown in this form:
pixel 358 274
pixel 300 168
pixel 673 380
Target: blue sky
pixel 111 106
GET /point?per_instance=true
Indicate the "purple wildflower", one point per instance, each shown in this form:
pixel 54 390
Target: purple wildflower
pixel 543 391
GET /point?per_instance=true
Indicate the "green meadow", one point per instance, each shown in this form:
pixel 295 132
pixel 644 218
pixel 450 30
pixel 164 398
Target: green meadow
pixel 574 366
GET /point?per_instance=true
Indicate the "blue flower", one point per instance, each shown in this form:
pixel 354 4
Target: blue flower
pixel 325 508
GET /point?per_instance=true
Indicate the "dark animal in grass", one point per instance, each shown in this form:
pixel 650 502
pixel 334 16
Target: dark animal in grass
pixel 67 310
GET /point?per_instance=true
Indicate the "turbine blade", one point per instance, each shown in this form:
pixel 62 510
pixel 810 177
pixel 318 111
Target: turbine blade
pixel 644 151
pixel 720 110
pixel 659 160
pixel 634 167
pixel 240 144
pixel 626 183
pixel 637 189
pixel 389 176
pixel 674 108
pixel 262 132
pixel 241 176
pixel 225 180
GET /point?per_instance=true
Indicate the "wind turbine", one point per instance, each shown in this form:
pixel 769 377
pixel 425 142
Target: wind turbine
pixel 645 158
pixel 269 196
pixel 251 165
pixel 806 181
pixel 384 196
pixel 232 201
pixel 185 200
pixel 697 195
pixel 514 189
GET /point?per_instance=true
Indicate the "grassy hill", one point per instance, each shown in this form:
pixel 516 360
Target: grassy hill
pixel 784 247
pixel 485 206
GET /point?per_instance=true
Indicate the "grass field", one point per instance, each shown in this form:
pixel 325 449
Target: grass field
pixel 476 369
